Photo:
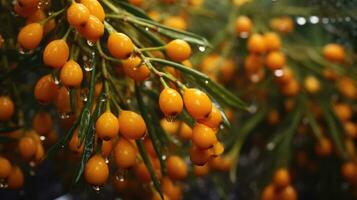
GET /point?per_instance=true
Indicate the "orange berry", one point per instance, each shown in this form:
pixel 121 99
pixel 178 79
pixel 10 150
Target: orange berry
pixel 56 53
pixel 95 8
pixel 197 103
pixel 107 126
pixel 178 50
pixel 217 149
pixel 176 168
pixel 283 24
pixel 45 89
pixel 243 25
pixel 286 76
pixel 170 189
pixel 135 69
pixel 107 147
pixel 16 178
pixel 199 156
pixel 170 102
pixel 323 147
pixel 93 29
pixel 71 74
pixel 347 87
pixel 349 171
pixel 269 193
pixel 63 103
pixel 5 168
pixel 30 36
pixel 7 108
pixel 291 88
pixel 312 84
pixel 24 11
pixel 221 163
pixel 40 153
pixel 350 129
pixel 253 63
pixel 287 193
pixel 124 154
pixel 185 131
pixel 42 123
pixel 27 147
pixel 28 3
pixel 75 144
pixel 203 136
pixel 214 119
pixel 120 45
pixel 132 125
pixel 201 170
pixel 272 41
pixel 37 16
pixel 176 22
pixel 275 60
pixel 96 171
pixel 281 178
pixel 256 44
pixel 334 52
pixel 77 14
pixel 136 2
pixel 343 111
pixel 169 126
pixel 143 174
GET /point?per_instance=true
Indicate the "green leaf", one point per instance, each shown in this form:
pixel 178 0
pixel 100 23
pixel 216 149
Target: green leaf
pixel 149 166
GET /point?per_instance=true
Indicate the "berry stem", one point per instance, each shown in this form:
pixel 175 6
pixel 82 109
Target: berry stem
pixel 53 15
pixel 152 48
pixel 67 33
pixel 106 86
pixel 105 56
pixel 163 82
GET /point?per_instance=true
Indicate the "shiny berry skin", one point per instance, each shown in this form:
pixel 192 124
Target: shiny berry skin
pixel 201 170
pixel 170 102
pixel 36 17
pixel 30 36
pixel 95 8
pixel 217 149
pixel 275 60
pixel 56 53
pixel 96 171
pixel 272 41
pixel 107 147
pixel 42 123
pixel 120 45
pixel 214 119
pixel 16 178
pixel 5 168
pixel 288 193
pixel 77 14
pixel 62 102
pixel 176 168
pixel 203 136
pixel 74 144
pixel 93 29
pixel 45 89
pixel 176 22
pixel 243 25
pixel 27 147
pixel 199 156
pixel 132 125
pixel 7 108
pixel 124 154
pixel 256 44
pixel 71 74
pixel 24 11
pixel 107 126
pixel 185 131
pixel 269 193
pixel 135 69
pixel 334 52
pixel 28 3
pixel 178 50
pixel 173 191
pixel 197 103
pixel 281 178
pixel 324 147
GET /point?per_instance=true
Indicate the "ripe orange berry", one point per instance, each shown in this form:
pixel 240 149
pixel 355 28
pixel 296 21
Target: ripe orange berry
pixel 185 131
pixel 63 103
pixel 253 63
pixel 135 69
pixel 214 119
pixel 7 108
pixel 40 153
pixel 71 74
pixel 350 129
pixel 287 193
pixel 312 84
pixel 221 163
pixel 96 171
pixel 28 3
pixel 199 156
pixel 30 36
pixel 323 147
pixel 203 136
pixel 143 174
pixel 27 147
pixel 124 154
pixel 178 50
pixel 291 88
pixel 24 11
pixel 286 76
pixel 45 89
pixel 217 149
pixel 15 180
pixel 201 170
pixel 281 178
pixel 56 53
pixel 120 45
pixel 37 16
pixel 74 144
pixel 132 125
pixel 283 24
pixel 169 126
pixel 349 171
pixel 176 168
pixel 136 2
pixel 42 123
pixel 95 8
pixel 275 60
pixel 176 22
pixel 107 147
pixel 272 41
pixel 170 102
pixel 347 87
pixel 170 189
pixel 343 111
pixel 93 29
pixel 256 44
pixel 107 126
pixel 5 168
pixel 243 25
pixel 197 103
pixel 334 52
pixel 77 14
pixel 269 193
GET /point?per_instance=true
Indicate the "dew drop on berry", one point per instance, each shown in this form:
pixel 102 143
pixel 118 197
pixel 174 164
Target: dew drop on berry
pixel 96 188
pixel 42 138
pixel 202 48
pixel 90 43
pixel 63 115
pixel 121 175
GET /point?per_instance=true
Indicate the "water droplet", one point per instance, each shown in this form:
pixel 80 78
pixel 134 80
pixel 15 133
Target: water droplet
pixel 270 146
pixel 128 101
pixel 279 73
pixel 84 95
pixel 301 21
pixel 347 19
pixel 64 115
pixel 243 35
pixel 96 188
pixel 56 80
pixel 164 157
pixel 325 20
pixel 252 108
pixel 62 146
pixel 206 82
pixel 42 138
pixel 147 29
pixel 32 172
pixel 90 43
pixel 121 174
pixel 42 4
pixel 88 66
pixel 202 48
pixel 314 20
pixel 106 160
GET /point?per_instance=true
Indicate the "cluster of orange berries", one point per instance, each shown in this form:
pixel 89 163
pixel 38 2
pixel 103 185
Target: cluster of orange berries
pixel 280 188
pixel 11 176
